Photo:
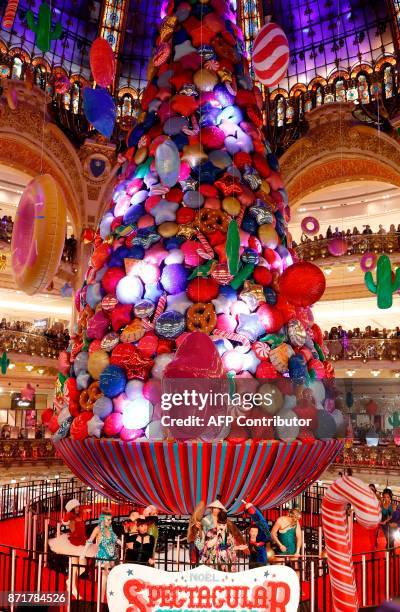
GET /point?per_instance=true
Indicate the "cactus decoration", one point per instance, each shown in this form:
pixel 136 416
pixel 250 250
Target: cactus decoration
pixel 42 28
pixel 394 420
pixel 386 282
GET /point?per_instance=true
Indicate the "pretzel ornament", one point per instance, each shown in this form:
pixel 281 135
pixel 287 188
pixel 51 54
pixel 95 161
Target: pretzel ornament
pixel 201 317
pixel 89 396
pixel 209 220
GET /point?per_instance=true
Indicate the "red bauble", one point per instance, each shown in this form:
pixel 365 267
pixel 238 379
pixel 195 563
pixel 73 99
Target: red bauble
pixel 262 276
pixel 270 317
pixel 47 415
pixel 111 279
pixel 52 424
pixel 202 289
pixel 302 283
pixel 135 364
pixel 79 429
pixel 266 370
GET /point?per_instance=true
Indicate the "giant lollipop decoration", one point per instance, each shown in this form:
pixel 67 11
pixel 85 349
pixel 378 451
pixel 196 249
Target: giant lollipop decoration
pixel 346 490
pixel 270 55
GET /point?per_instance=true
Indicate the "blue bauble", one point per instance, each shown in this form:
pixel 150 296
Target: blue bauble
pixel 80 362
pixel 167 162
pixel 133 214
pixel 153 291
pixel 249 224
pixel 100 111
pixel 207 173
pixel 200 10
pixel 112 380
pixel 179 37
pixel 181 140
pixel 103 407
pixel 150 120
pixel 270 296
pixel 173 243
pixel 210 118
pixel 298 369
pixel 224 97
pixel 135 135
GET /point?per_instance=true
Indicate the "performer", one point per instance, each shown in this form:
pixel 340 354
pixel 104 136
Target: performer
pixel 259 536
pixel 286 533
pixel 140 546
pixel 151 515
pixel 106 541
pixel 73 543
pixel 219 545
pixel 130 526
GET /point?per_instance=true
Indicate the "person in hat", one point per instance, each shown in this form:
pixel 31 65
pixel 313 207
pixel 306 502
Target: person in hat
pixel 140 546
pixel 199 524
pixel 209 521
pixel 218 546
pixel 73 543
pixel 259 536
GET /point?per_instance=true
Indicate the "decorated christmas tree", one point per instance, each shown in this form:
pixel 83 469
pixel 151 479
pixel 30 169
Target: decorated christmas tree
pixel 194 240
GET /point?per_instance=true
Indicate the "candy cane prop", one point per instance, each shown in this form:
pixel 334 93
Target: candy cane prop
pixel 346 490
pixel 9 14
pixel 220 333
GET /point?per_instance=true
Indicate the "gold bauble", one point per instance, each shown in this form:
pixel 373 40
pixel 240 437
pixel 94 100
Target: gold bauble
pixel 168 229
pixel 272 398
pixel 231 206
pixel 205 80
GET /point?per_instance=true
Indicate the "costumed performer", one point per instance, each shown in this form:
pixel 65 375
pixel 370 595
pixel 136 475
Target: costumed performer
pixel 259 536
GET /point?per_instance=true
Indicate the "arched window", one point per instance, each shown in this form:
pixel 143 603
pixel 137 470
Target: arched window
pixel 388 81
pixel 280 111
pixel 67 100
pixel 40 77
pixel 75 98
pixel 362 86
pixel 340 93
pixel 16 72
pixel 290 110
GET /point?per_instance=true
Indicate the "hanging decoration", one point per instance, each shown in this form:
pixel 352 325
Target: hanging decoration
pixel 39 233
pixel 102 62
pixel 43 27
pixel 4 363
pixel 302 283
pixel 99 109
pixel 387 282
pixel 310 226
pixel 28 392
pixel 9 14
pixel 270 56
pixel 61 83
pixel 368 261
pixel 344 491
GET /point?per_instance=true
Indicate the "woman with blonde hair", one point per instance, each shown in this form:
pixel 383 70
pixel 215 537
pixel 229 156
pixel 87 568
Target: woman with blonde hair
pixel 286 533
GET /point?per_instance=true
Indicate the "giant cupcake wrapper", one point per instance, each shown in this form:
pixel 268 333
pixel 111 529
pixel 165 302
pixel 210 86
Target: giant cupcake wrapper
pixel 175 477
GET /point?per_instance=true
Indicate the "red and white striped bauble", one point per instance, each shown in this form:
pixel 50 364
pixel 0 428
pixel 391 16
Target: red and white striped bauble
pixel 9 14
pixel 270 55
pixel 346 490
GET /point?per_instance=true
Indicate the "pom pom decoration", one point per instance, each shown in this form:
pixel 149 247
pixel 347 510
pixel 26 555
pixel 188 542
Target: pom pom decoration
pixel 270 55
pixel 102 62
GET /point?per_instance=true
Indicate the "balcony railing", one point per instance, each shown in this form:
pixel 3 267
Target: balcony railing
pixel 357 244
pixel 364 349
pixel 31 344
pixel 16 451
pixel 382 457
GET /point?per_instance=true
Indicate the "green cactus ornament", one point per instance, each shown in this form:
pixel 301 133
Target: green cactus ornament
pixel 385 283
pixel 394 420
pixel 42 29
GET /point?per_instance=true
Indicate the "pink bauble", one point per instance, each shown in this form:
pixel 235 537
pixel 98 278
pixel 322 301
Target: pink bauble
pixel 127 435
pixel 189 250
pixel 184 171
pixel 113 424
pixel 119 402
pixel 226 322
pixel 152 390
pixel 145 221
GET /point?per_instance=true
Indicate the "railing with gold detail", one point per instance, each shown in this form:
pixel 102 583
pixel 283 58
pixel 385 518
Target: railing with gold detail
pixel 354 244
pixel 31 344
pixel 377 457
pixel 17 451
pixel 364 349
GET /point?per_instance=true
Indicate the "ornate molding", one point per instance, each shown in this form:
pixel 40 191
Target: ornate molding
pixel 335 149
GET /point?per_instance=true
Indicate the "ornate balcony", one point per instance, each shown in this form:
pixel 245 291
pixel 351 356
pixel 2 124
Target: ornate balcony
pixel 13 341
pixel 375 457
pixel 17 451
pixel 364 349
pixel 357 244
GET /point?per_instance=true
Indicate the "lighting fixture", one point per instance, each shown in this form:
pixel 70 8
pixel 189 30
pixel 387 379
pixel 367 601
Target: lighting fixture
pixel 57 476
pixel 11 366
pixel 351 267
pixel 41 371
pixel 397 374
pixel 23 477
pixel 29 368
pixel 375 373
pixel 1 389
pixel 350 373
pixel 13 481
pixel 327 271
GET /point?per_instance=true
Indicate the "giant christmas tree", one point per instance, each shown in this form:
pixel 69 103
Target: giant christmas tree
pixel 194 239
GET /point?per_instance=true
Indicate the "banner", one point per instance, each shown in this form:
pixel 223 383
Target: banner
pixel 137 588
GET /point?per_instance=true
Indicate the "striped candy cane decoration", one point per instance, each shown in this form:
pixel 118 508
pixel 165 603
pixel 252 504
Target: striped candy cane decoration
pixel 346 490
pixel 207 252
pixel 9 14
pixel 245 342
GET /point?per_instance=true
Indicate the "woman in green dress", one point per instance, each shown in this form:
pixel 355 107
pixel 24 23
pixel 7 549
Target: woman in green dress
pixel 286 533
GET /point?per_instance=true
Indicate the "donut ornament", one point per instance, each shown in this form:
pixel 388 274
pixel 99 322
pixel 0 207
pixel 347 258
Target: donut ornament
pixel 39 233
